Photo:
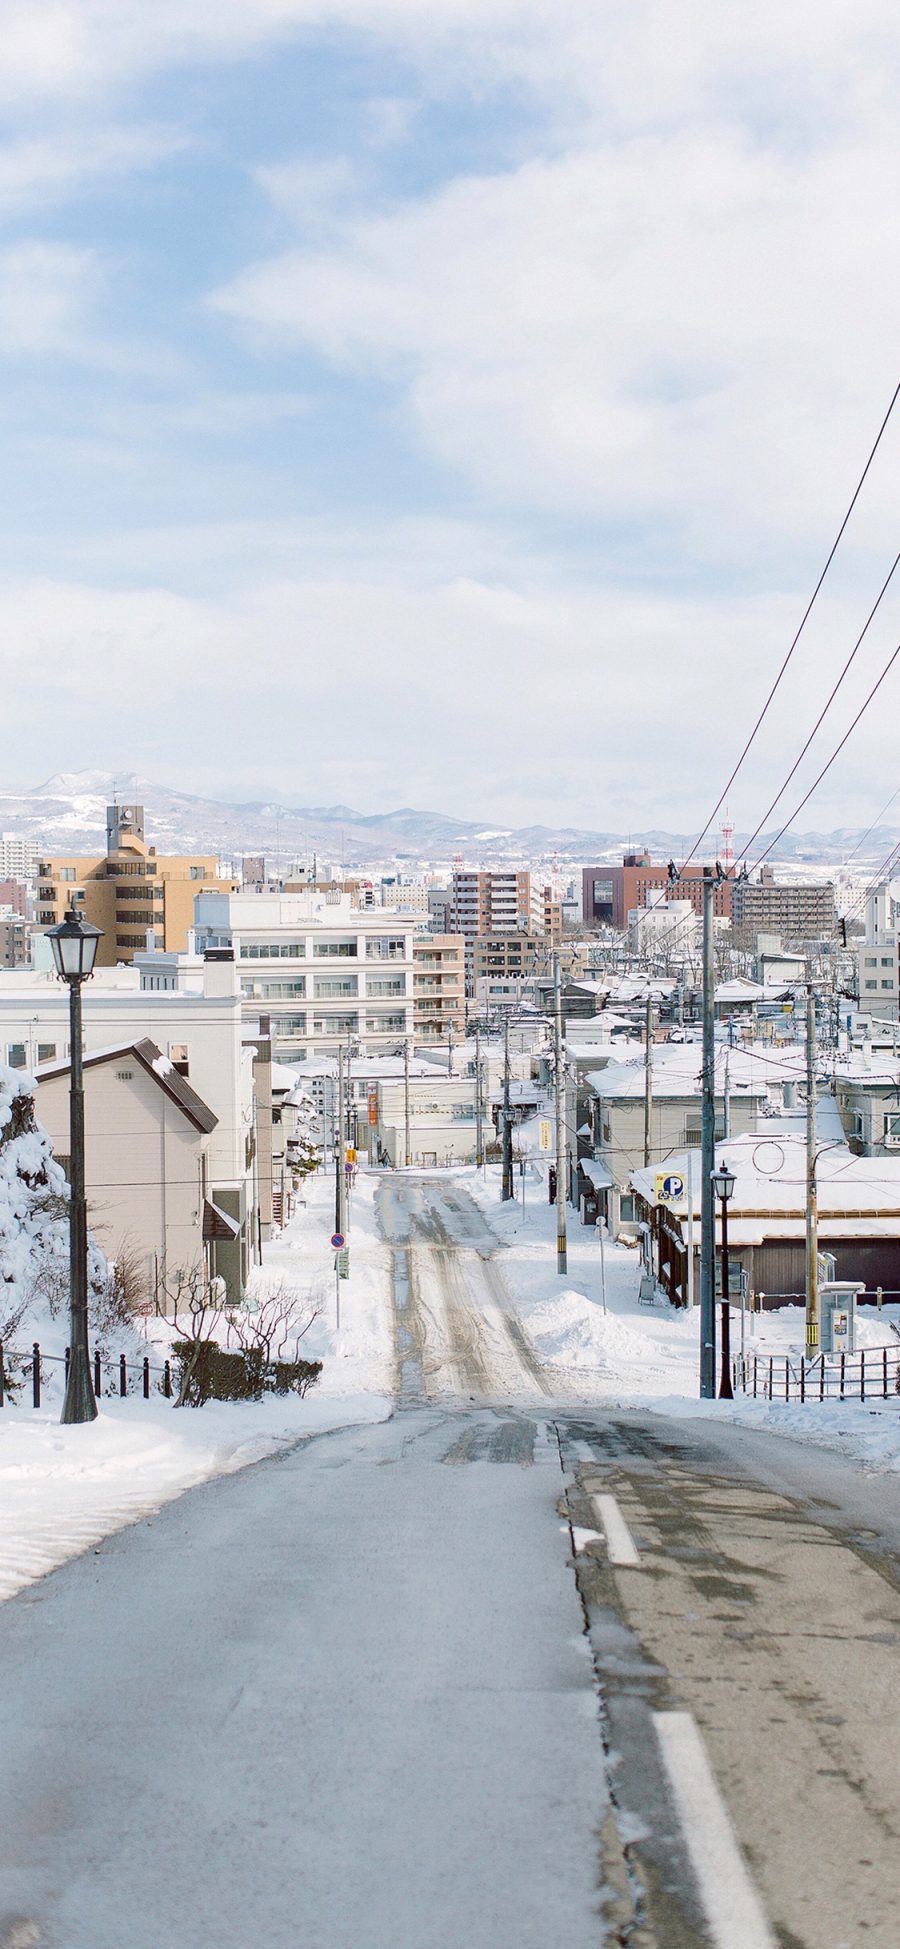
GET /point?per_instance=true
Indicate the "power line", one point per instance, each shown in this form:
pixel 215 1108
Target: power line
pixel 827 767
pixel 828 702
pixel 802 625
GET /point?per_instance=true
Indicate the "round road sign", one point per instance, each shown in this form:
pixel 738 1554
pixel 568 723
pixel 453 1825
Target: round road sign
pixel 338 1240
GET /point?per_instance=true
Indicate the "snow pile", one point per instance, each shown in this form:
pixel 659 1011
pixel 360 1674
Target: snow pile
pixel 571 1331
pixel 34 1217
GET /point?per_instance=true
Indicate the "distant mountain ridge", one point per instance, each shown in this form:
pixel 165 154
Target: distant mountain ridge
pixel 68 814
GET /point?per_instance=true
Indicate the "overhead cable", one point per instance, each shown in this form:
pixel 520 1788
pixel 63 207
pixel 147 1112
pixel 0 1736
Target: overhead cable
pixel 802 625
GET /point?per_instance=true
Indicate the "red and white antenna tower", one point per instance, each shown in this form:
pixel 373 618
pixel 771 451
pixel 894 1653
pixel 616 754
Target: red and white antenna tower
pixel 728 843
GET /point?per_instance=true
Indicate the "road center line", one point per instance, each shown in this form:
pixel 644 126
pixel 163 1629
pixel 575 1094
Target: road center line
pixel 619 1542
pixel 731 1903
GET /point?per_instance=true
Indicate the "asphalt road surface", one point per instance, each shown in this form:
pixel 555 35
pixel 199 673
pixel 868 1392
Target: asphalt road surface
pixel 494 1674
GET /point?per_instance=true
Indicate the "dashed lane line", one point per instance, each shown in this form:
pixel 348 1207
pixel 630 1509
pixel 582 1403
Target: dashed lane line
pixel 620 1544
pixel 732 1905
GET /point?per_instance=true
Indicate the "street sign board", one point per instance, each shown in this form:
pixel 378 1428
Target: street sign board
pixel 545 1132
pixel 337 1240
pixel 343 1262
pixel 669 1188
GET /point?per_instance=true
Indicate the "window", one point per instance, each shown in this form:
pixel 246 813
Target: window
pixel 391 984
pixel 46 1051
pixel 289 1024
pixel 272 950
pixel 62 1158
pixel 384 949
pixel 892 1128
pixel 328 949
pixel 857 1125
pixel 16 1055
pixel 67 872
pixel 273 991
pixel 887 984
pixel 336 988
pixel 335 1024
pixel 626 1209
pixel 198 872
pixel 871 984
pixel 887 961
pixel 385 1024
pixel 871 960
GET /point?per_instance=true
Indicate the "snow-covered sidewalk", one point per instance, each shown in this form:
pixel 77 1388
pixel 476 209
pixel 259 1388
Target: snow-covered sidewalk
pixel 63 1489
pixel 641 1356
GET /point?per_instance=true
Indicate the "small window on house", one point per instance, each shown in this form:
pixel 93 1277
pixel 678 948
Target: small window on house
pixel 46 1051
pixel 63 1159
pixel 871 984
pixel 871 960
pixel 892 1128
pixel 626 1208
pixel 887 984
pixel 16 1055
pixel 887 961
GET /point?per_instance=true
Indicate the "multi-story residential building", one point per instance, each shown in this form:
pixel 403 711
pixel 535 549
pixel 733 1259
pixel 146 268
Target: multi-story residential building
pixel 878 980
pixel 410 895
pixel 509 957
pixel 18 857
pixel 14 896
pixel 15 940
pixel 323 970
pixel 610 892
pixel 797 913
pixel 129 892
pixel 439 988
pixel 490 901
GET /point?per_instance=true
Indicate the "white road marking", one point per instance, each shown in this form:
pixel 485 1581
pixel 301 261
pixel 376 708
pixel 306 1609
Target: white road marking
pixel 731 1903
pixel 619 1541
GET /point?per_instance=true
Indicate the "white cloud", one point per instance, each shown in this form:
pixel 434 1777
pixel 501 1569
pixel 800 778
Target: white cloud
pixel 45 295
pixel 511 702
pixel 684 329
pixel 50 168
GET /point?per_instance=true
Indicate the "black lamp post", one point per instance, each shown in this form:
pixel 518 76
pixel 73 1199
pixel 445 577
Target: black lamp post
pixel 723 1188
pixel 74 944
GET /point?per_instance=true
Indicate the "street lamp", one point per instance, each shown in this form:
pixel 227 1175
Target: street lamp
pixel 74 944
pixel 723 1188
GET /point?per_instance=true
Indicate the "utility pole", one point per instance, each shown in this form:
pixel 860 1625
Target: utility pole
pixel 812 1213
pixel 708 1155
pixel 408 1152
pixel 479 1134
pixel 340 1192
pixel 450 1049
pixel 561 1254
pixel 648 1077
pixel 506 1188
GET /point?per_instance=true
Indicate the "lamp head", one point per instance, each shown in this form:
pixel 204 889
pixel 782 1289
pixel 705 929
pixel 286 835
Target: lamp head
pixel 74 944
pixel 723 1183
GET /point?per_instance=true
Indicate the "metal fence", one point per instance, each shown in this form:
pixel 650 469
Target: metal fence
pixel 873 1373
pixel 114 1374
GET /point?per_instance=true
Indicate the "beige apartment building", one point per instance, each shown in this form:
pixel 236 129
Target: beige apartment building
pixel 129 891
pixel 439 988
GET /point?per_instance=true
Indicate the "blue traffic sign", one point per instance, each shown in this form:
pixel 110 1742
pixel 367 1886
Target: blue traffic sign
pixel 338 1240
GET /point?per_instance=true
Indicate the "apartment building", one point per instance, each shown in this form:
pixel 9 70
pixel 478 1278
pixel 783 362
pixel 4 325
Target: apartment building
pixel 18 857
pixel 878 980
pixel 609 893
pixel 439 988
pixel 130 891
pixel 324 970
pixel 15 940
pixel 797 913
pixel 509 957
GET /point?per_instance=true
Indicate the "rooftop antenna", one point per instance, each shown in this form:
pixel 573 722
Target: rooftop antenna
pixel 727 844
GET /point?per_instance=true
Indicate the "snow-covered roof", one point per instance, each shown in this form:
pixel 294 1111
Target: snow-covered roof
pixel 677 1071
pixel 152 1060
pixel 857 1196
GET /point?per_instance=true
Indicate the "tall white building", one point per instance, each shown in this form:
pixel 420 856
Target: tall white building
pixel 18 857
pixel 323 970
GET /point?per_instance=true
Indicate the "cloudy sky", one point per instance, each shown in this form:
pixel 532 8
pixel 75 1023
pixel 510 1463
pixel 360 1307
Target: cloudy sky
pixel 448 402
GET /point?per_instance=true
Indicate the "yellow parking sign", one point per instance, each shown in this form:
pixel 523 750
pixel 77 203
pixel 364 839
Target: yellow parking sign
pixel 669 1188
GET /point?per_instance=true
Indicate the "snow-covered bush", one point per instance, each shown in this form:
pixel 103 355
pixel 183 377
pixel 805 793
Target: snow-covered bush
pixel 34 1217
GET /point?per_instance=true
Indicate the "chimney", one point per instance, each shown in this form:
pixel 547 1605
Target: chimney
pixel 219 973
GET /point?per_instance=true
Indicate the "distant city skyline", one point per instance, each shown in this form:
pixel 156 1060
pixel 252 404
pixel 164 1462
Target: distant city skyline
pixel 412 402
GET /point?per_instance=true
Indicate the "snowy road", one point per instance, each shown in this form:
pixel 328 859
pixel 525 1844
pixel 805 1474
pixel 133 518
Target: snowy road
pixel 500 1672
pixel 458 1333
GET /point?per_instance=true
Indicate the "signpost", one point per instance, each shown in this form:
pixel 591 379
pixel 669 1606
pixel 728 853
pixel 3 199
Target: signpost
pixel 340 1252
